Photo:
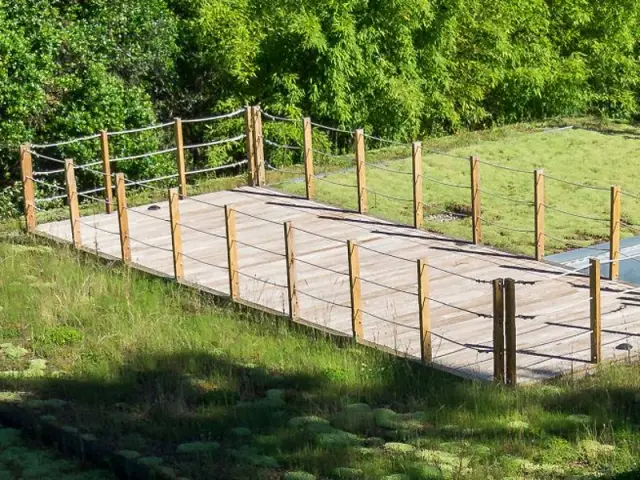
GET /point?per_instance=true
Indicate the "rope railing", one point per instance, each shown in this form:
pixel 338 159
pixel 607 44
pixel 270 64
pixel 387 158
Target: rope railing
pixel 576 215
pixel 576 184
pixel 504 227
pixel 314 297
pixel 276 118
pixel 505 167
pixel 144 155
pixel 390 197
pixel 508 199
pixel 139 130
pixel 446 184
pixel 65 142
pixel 224 116
pixel 384 140
pixel 378 166
pixel 331 129
pixel 218 168
pixel 392 322
pixel 331 182
pixel 278 145
pixel 281 170
pixel 215 142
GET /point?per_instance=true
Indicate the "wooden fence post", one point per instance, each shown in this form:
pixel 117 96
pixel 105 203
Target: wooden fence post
pixel 72 200
pixel 182 173
pixel 232 252
pixel 361 171
pixel 614 252
pixel 106 171
pixel 596 325
pixel 426 352
pixel 498 330
pixel 475 200
pixel 510 330
pixel 294 309
pixel 249 144
pixel 258 146
pixel 28 187
pixel 308 158
pixel 123 219
pixel 418 206
pixel 538 181
pixel 176 233
pixel 354 288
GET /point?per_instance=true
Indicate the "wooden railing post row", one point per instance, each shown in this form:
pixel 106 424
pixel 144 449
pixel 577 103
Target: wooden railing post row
pixel 308 157
pixel 106 171
pixel 258 146
pixel 538 186
pixel 72 201
pixel 354 289
pixel 250 145
pixel 232 252
pixel 595 310
pixel 418 203
pixel 123 218
pixel 182 173
pixel 475 200
pixel 498 330
pixel 614 251
pixel 426 352
pixel 289 244
pixel 28 187
pixel 510 330
pixel 361 171
pixel 176 234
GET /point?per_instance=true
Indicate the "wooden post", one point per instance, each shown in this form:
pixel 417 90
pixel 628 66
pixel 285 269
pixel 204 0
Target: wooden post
pixel 596 324
pixel 308 158
pixel 426 352
pixel 176 233
pixel 232 252
pixel 361 171
pixel 182 173
pixel 510 330
pixel 123 219
pixel 249 145
pixel 354 288
pixel 106 171
pixel 475 200
pixel 28 187
pixel 418 208
pixel 258 146
pixel 294 309
pixel 538 186
pixel 72 200
pixel 614 252
pixel 498 330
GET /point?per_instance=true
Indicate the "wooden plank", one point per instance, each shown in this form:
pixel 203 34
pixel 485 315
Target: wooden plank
pixel 510 330
pixel 614 252
pixel 538 185
pixel 28 187
pixel 182 172
pixel 123 219
pixel 294 308
pixel 355 289
pixel 72 200
pixel 361 171
pixel 595 310
pixel 250 145
pixel 498 331
pixel 176 234
pixel 418 202
pixel 232 252
pixel 258 145
pixel 308 158
pixel 426 351
pixel 106 171
pixel 475 200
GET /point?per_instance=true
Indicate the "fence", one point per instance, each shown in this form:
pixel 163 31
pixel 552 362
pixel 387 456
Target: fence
pixel 504 314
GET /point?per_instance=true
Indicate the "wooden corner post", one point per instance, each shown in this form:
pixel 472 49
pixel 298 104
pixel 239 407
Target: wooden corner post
pixel 418 208
pixel 361 170
pixel 354 288
pixel 176 234
pixel 106 171
pixel 614 252
pixel 475 200
pixel 294 309
pixel 510 330
pixel 308 158
pixel 232 252
pixel 258 146
pixel 182 172
pixel 595 310
pixel 498 330
pixel 426 352
pixel 72 200
pixel 28 187
pixel 123 219
pixel 249 145
pixel 538 185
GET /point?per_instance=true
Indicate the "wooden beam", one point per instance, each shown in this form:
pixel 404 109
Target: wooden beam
pixel 475 200
pixel 123 218
pixel 614 252
pixel 232 252
pixel 308 158
pixel 28 187
pixel 72 200
pixel 182 172
pixel 510 330
pixel 176 233
pixel 426 352
pixel 294 308
pixel 354 288
pixel 538 185
pixel 498 330
pixel 106 171
pixel 418 204
pixel 596 310
pixel 258 145
pixel 249 145
pixel 361 170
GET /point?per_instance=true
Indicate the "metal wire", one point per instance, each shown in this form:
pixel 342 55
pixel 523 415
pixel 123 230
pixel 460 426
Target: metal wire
pixel 390 197
pixel 446 184
pixel 277 145
pixel 216 142
pixel 100 229
pixel 382 285
pixel 144 155
pixel 581 185
pixel 203 262
pixel 391 142
pixel 268 282
pixel 323 300
pixel 519 230
pixel 260 249
pixel 217 117
pixel 331 239
pixel 138 130
pixel 65 142
pixel 324 179
pixel 584 217
pixel 504 167
pixel 188 227
pixel 333 129
pixel 379 167
pixel 148 215
pixel 386 320
pixel 513 200
pixel 336 272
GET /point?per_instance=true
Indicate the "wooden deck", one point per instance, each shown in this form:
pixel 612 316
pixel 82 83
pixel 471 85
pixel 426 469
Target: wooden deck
pixel 553 314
